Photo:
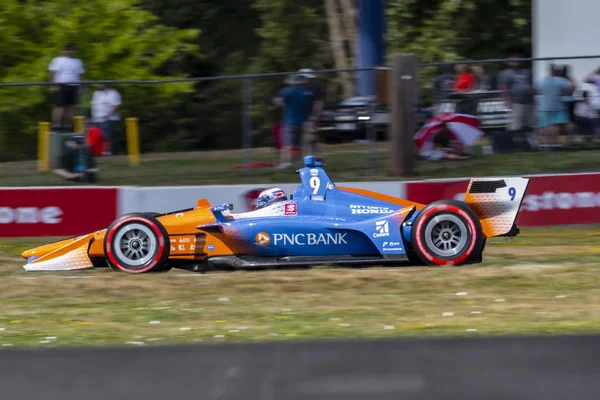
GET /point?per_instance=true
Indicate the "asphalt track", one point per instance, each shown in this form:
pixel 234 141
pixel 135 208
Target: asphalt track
pixel 505 368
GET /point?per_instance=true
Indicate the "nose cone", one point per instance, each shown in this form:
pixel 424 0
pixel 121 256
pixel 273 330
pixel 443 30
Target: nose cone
pixel 28 253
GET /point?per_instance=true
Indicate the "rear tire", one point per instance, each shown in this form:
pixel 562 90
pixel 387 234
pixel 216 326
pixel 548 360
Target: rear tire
pixel 137 243
pixel 447 233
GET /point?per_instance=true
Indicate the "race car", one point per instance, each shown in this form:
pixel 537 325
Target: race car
pixel 320 223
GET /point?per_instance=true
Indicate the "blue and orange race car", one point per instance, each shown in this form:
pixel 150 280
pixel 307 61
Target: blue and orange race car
pixel 321 223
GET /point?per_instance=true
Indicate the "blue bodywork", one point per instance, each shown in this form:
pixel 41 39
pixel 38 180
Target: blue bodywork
pixel 325 221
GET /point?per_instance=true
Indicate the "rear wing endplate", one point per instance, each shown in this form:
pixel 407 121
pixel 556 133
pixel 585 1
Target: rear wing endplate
pixel 497 202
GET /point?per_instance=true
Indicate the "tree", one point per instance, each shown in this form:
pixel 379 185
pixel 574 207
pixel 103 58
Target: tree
pixel 115 39
pixel 338 39
pixel 150 39
pixel 443 30
pixel 451 30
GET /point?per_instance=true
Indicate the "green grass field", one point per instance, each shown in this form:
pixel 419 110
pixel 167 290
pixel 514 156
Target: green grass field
pixel 345 162
pixel 543 281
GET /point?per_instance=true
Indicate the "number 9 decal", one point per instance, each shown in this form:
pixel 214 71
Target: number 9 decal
pixel 512 192
pixel 315 184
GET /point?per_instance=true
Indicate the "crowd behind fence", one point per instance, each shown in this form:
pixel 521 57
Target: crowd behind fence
pixel 236 111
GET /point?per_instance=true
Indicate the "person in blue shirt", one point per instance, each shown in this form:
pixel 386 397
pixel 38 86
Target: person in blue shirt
pixel 553 111
pixel 296 102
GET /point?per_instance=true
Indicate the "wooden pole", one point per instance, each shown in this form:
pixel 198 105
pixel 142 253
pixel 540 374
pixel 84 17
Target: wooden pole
pixel 403 96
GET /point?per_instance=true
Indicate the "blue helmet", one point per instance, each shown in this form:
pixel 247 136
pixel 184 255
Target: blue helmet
pixel 270 196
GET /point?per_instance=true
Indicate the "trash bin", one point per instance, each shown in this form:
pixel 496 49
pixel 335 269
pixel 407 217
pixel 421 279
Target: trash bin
pixel 57 147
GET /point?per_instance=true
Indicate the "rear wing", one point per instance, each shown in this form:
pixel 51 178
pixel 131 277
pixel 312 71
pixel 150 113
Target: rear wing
pixel 497 201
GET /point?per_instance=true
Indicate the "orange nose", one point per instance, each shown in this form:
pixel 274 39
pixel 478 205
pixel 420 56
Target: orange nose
pixel 28 253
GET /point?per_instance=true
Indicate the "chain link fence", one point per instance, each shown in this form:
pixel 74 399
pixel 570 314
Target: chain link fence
pixel 237 113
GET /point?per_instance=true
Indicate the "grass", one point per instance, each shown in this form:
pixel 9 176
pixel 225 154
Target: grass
pixel 345 162
pixel 544 281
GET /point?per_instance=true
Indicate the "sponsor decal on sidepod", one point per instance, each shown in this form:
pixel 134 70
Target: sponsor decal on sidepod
pixel 301 239
pixel 359 209
pixel 391 246
pixel 383 229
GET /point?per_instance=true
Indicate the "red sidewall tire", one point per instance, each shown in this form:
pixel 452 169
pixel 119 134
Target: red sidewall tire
pixel 459 210
pixel 158 260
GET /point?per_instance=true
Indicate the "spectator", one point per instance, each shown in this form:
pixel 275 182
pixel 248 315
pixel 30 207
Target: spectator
pixel 296 105
pixel 445 147
pixel 515 83
pixel 443 84
pixel 482 80
pixel 586 116
pixel 309 143
pixel 95 139
pixel 569 99
pixel 554 114
pixel 65 73
pixel 594 79
pixel 78 163
pixel 105 112
pixel 465 79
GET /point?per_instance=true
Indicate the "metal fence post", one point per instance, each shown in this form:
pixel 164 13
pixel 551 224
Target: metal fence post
pixel 372 141
pixel 43 146
pixel 133 140
pixel 78 124
pixel 247 122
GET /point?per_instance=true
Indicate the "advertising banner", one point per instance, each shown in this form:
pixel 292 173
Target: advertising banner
pixel 489 107
pixel 30 212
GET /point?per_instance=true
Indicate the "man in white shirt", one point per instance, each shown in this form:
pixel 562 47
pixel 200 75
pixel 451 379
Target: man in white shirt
pixel 586 116
pixel 105 112
pixel 66 73
pixel 593 78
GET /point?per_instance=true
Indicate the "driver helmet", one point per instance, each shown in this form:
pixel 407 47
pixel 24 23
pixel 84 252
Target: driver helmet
pixel 270 196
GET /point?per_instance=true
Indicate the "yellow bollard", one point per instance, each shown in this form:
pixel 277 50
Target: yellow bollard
pixel 43 146
pixel 78 124
pixel 133 141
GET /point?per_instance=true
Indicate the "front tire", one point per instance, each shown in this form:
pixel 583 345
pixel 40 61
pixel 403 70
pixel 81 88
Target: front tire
pixel 447 233
pixel 137 243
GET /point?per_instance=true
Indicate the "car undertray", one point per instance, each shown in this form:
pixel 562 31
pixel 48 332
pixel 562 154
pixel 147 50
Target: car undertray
pixel 250 262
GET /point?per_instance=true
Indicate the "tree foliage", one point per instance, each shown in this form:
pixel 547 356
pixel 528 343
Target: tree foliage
pixel 452 30
pixel 153 39
pixel 116 40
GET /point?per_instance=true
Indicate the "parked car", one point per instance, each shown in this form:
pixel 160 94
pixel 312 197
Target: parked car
pixel 350 119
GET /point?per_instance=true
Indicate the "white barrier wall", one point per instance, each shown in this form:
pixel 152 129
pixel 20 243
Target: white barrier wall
pixel 563 199
pixel 166 199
